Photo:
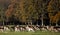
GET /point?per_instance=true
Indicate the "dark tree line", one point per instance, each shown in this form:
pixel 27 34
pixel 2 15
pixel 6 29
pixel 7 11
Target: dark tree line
pixel 30 11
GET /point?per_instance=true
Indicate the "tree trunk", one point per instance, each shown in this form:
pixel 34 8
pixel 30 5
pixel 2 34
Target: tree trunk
pixel 25 23
pixel 31 22
pixel 3 25
pixel 50 22
pixel 42 19
pixel 28 23
pixel 56 23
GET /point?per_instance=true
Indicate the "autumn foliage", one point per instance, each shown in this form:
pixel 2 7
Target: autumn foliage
pixel 33 10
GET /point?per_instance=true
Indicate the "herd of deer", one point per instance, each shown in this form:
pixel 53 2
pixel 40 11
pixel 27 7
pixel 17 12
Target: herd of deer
pixel 29 28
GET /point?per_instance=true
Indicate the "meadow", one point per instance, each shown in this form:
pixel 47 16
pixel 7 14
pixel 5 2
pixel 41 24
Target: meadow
pixel 30 33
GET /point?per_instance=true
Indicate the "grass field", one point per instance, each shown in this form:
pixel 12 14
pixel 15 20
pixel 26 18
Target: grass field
pixel 30 33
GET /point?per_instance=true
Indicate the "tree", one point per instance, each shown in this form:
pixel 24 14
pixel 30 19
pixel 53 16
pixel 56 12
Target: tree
pixel 41 8
pixel 9 11
pixel 53 8
pixel 23 11
pixel 56 18
pixel 33 14
pixel 2 15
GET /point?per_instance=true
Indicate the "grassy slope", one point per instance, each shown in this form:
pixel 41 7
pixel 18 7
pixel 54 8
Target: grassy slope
pixel 31 33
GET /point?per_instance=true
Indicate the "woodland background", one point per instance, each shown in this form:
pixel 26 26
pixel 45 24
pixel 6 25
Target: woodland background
pixel 25 12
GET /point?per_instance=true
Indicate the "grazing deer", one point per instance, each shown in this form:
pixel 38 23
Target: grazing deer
pixel 29 29
pixel 17 29
pixel 1 28
pixel 6 28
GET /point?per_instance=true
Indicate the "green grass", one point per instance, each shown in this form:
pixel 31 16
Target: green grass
pixel 30 33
